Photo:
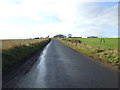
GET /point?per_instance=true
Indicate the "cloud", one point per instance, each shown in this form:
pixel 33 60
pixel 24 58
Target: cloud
pixel 50 17
pixel 92 18
pixel 10 30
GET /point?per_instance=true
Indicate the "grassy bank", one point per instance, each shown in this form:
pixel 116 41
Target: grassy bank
pixel 18 54
pixel 105 52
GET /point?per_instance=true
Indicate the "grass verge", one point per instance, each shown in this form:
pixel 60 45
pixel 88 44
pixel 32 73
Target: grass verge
pixel 19 54
pixel 106 56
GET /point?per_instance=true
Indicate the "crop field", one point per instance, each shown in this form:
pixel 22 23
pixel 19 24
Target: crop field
pixel 105 50
pixel 10 43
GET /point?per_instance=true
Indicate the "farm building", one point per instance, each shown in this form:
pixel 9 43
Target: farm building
pixel 92 37
pixel 69 35
pixel 60 36
pixel 76 37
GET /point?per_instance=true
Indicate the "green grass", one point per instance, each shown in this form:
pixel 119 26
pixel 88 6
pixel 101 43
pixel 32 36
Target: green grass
pixel 110 43
pixel 104 52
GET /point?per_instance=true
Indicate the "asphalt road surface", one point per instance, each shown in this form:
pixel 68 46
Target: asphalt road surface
pixel 59 66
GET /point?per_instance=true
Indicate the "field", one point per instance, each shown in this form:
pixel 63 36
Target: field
pixel 17 51
pixel 106 51
pixel 10 43
pixel 110 43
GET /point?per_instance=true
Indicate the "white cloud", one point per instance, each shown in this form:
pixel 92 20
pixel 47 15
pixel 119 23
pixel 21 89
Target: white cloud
pixel 78 18
pixel 92 19
pixel 9 30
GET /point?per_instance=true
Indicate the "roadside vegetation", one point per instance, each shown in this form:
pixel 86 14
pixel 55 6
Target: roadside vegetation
pixel 16 52
pixel 104 50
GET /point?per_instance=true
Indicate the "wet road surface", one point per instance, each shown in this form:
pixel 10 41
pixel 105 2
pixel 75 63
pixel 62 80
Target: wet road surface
pixel 59 66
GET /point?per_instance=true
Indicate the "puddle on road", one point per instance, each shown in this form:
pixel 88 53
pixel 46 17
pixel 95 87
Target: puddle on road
pixel 36 78
pixel 42 58
pixel 41 69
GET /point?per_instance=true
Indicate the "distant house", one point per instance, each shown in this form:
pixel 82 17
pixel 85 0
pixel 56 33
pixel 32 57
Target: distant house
pixel 36 38
pixel 92 37
pixel 77 37
pixel 60 36
pixel 69 35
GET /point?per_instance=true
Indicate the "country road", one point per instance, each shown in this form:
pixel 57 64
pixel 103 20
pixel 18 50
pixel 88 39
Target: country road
pixel 59 66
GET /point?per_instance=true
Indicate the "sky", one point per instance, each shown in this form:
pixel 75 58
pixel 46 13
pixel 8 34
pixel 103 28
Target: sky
pixel 39 18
